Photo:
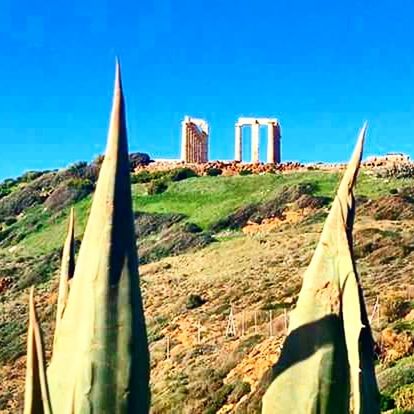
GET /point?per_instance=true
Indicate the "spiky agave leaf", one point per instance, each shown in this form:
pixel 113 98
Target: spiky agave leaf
pixel 36 395
pixel 329 342
pixel 67 269
pixel 101 360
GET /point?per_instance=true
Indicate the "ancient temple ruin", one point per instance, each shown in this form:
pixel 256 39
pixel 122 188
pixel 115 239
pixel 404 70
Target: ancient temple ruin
pixel 273 139
pixel 194 140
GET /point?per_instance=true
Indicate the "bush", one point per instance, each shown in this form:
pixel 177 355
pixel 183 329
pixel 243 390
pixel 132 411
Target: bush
pixel 394 307
pixel 386 402
pixel 404 398
pixel 78 169
pixel 141 177
pixel 245 172
pixel 240 390
pixel 30 176
pixel 194 301
pixel 81 184
pixel 8 221
pixel 192 228
pixel 157 187
pixel 182 174
pixel 390 379
pixel 395 346
pixel 4 191
pixel 214 172
pixel 219 398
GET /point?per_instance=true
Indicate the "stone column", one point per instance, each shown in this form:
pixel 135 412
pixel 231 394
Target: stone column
pixel 238 156
pixel 197 147
pixel 192 148
pixel 255 142
pixel 276 140
pixel 184 141
pixel 271 144
pixel 206 148
pixel 190 139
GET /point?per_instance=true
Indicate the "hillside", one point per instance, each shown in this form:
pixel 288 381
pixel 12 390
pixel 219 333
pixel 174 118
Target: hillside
pixel 210 246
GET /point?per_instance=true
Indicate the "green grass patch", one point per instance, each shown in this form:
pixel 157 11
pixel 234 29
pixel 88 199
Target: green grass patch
pixel 204 200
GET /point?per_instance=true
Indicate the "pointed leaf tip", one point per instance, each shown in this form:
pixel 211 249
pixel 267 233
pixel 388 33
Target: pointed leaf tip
pixel 67 270
pixel 351 172
pixel 118 79
pixel 36 397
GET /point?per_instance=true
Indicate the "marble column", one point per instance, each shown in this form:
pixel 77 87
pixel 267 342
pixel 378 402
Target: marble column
pixel 277 139
pixel 206 148
pixel 271 144
pixel 255 142
pixel 238 156
pixel 197 158
pixel 184 141
pixel 193 145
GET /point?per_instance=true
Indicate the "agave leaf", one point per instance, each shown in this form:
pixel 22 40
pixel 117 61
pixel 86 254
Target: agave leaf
pixel 320 364
pixel 101 362
pixel 66 270
pixel 36 395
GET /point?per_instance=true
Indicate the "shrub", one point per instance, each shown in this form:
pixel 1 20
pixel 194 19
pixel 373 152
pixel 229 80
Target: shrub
pixel 157 187
pixel 240 390
pixel 214 172
pixel 245 172
pixel 194 301
pixel 404 398
pixel 390 379
pixel 394 306
pixel 81 184
pixel 78 168
pixel 141 177
pixel 8 221
pixel 396 345
pixel 386 402
pixel 4 191
pixel 192 228
pixel 219 398
pixel 182 174
pixel 30 176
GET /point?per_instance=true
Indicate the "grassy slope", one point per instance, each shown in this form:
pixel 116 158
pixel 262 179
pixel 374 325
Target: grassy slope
pixel 204 200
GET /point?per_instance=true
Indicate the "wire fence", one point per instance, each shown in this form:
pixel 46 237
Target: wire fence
pixel 270 322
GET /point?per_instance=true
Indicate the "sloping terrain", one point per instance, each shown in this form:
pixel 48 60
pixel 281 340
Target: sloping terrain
pixel 221 264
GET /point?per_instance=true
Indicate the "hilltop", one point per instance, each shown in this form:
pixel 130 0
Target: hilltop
pixel 210 245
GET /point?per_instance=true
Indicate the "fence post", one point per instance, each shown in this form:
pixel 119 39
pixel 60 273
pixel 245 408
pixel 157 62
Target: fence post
pixel 168 351
pixel 270 324
pixel 231 326
pixel 255 321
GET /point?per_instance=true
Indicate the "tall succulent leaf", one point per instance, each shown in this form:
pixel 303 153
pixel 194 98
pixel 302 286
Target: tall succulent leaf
pixel 67 270
pixel 101 362
pixel 326 364
pixel 36 395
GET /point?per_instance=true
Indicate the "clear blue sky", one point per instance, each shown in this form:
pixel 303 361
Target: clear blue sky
pixel 321 67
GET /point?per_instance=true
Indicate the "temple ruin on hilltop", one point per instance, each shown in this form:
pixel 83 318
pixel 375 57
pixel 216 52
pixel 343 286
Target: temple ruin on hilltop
pixel 273 139
pixel 194 140
pixel 195 137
